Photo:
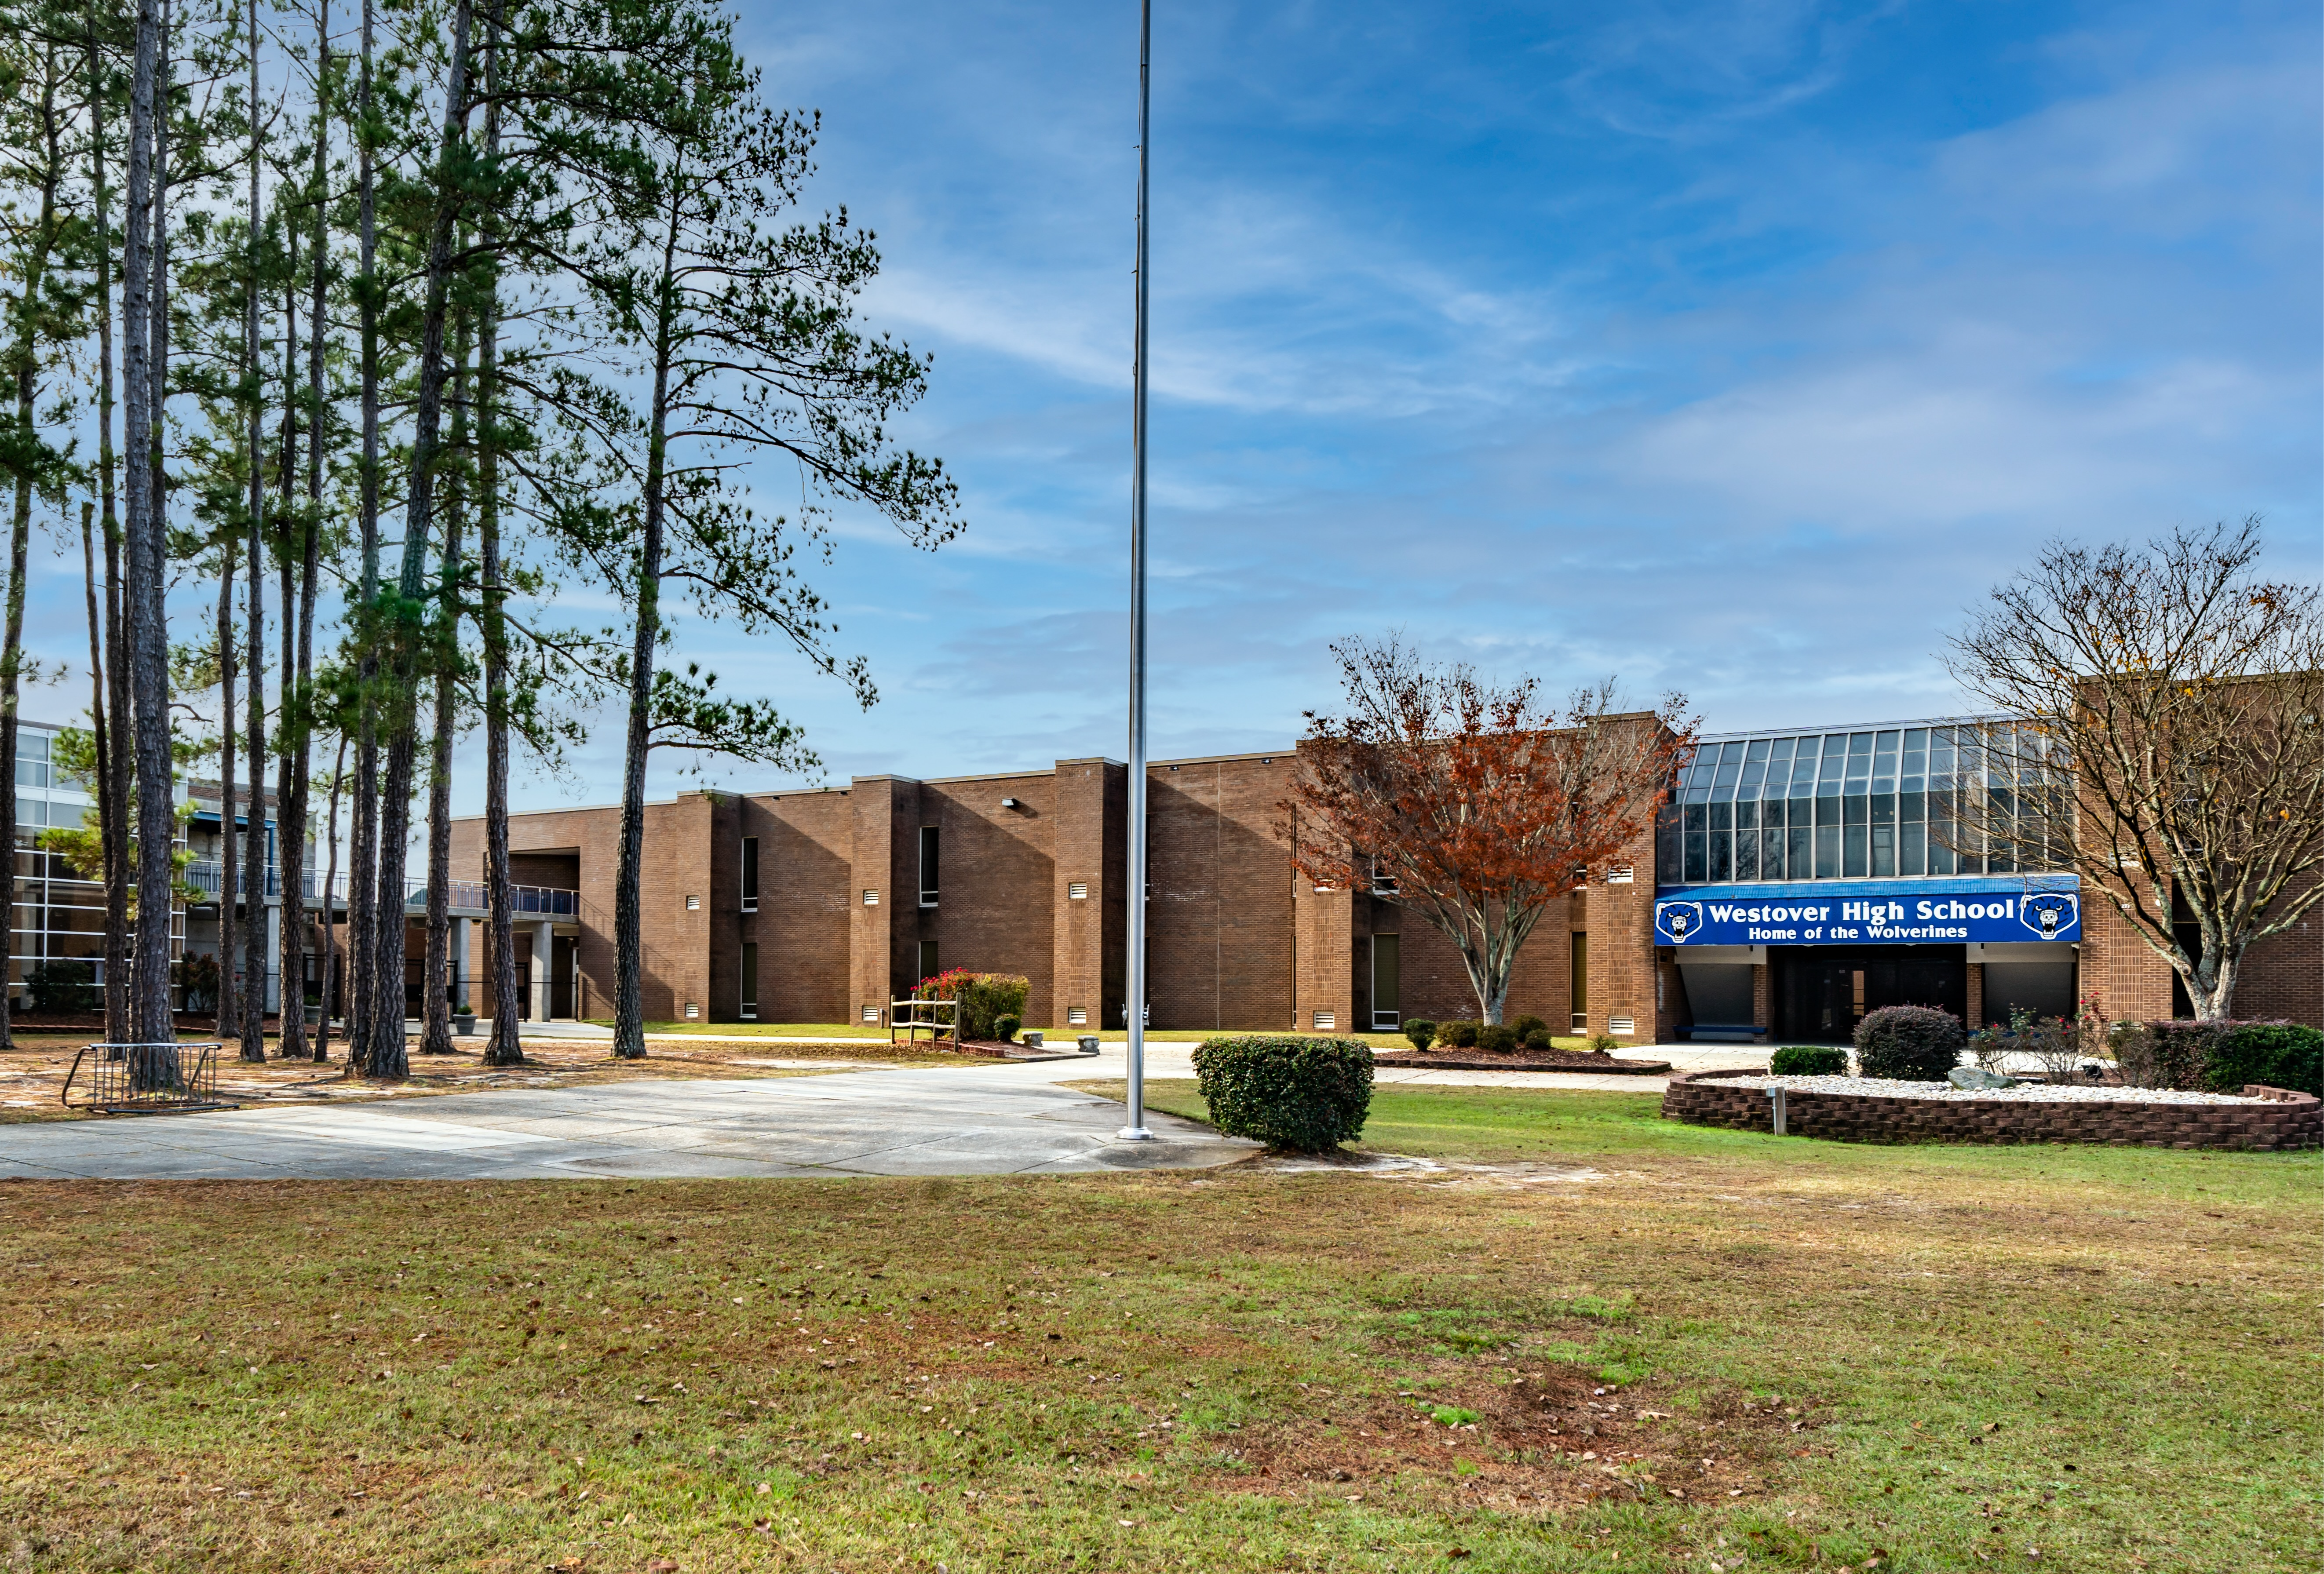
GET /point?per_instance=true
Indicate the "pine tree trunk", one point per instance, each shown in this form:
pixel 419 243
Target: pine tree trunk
pixel 253 871
pixel 113 787
pixel 330 914
pixel 399 701
pixel 363 852
pixel 145 576
pixel 629 937
pixel 504 1048
pixel 230 1016
pixel 290 1039
pixel 296 801
pixel 108 830
pixel 435 1019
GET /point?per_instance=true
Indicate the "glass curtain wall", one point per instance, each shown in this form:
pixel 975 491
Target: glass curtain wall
pixel 1876 803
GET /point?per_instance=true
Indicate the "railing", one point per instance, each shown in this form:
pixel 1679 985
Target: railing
pixel 527 901
pixel 126 1079
pixel 912 1017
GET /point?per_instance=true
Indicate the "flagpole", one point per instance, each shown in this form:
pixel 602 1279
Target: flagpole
pixel 1134 1011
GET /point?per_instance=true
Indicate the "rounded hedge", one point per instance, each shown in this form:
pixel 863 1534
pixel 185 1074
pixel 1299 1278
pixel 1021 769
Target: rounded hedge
pixel 1495 1039
pixel 1525 1028
pixel 1909 1044
pixel 1420 1030
pixel 1287 1091
pixel 2275 1054
pixel 1809 1060
pixel 1460 1033
pixel 1539 1039
pixel 1005 1026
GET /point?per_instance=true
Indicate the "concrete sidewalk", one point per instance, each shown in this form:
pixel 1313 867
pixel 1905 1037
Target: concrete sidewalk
pixel 900 1121
pixel 1005 1118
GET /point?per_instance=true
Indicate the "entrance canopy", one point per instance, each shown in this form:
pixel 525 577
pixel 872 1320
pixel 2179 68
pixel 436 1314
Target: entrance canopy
pixel 1990 910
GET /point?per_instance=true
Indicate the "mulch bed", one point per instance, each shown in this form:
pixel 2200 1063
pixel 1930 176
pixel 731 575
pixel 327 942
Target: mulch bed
pixel 1524 1060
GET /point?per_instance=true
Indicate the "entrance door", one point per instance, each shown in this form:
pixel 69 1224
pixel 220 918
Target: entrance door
pixel 1823 992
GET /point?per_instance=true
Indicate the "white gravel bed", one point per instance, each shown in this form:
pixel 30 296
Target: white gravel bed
pixel 2028 1093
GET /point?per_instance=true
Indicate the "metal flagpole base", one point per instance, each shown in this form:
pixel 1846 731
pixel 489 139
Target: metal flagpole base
pixel 1135 1134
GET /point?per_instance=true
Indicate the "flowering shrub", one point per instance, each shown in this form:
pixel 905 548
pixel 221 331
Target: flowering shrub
pixel 984 998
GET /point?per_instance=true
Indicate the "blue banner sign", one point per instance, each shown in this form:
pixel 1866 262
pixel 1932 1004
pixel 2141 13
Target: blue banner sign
pixel 1899 915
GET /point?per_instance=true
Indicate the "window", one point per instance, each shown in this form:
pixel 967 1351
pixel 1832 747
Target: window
pixel 928 865
pixel 1078 891
pixel 1578 1006
pixel 749 874
pixel 928 954
pixel 750 1002
pixel 1387 982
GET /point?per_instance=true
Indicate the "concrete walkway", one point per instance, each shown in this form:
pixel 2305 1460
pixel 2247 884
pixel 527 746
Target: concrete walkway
pixel 1003 1118
pixel 900 1121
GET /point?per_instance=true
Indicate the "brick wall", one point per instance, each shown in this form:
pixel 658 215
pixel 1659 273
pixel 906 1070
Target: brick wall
pixel 2288 1120
pixel 802 927
pixel 996 873
pixel 1218 926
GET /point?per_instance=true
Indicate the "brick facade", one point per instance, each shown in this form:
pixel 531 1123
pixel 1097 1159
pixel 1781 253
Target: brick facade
pixel 1237 939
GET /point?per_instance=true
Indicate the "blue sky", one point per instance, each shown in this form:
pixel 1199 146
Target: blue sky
pixel 1731 347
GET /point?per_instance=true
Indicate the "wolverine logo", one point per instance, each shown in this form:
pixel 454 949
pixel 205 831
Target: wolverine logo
pixel 1677 922
pixel 2051 914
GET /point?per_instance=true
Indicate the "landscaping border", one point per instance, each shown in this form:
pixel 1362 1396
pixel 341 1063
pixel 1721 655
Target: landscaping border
pixel 2288 1120
pixel 1437 1059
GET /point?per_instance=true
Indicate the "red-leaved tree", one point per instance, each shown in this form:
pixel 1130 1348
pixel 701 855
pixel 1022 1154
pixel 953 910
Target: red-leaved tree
pixel 1470 806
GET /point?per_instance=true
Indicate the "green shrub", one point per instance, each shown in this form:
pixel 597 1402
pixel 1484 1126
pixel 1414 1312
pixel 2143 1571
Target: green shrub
pixel 1420 1030
pixel 57 987
pixel 1809 1060
pixel 1539 1039
pixel 1495 1039
pixel 1604 1044
pixel 2277 1054
pixel 1525 1028
pixel 1005 1026
pixel 1458 1034
pixel 984 998
pixel 1909 1044
pixel 1292 1091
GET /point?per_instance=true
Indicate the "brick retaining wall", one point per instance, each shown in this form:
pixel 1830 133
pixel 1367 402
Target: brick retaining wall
pixel 2288 1120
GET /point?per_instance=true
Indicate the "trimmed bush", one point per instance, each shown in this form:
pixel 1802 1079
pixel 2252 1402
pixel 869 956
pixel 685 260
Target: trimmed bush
pixel 2278 1054
pixel 1539 1039
pixel 1458 1034
pixel 1004 1028
pixel 1495 1039
pixel 1420 1030
pixel 1604 1044
pixel 1292 1091
pixel 1525 1028
pixel 1909 1044
pixel 1809 1060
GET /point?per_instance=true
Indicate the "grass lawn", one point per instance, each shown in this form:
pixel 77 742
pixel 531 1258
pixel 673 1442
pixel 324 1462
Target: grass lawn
pixel 1813 1355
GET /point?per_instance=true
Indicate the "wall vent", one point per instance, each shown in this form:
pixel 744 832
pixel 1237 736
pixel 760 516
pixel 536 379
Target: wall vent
pixel 871 897
pixel 871 1015
pixel 1325 1021
pixel 1624 1025
pixel 694 904
pixel 693 1010
pixel 1078 891
pixel 1620 875
pixel 1077 1016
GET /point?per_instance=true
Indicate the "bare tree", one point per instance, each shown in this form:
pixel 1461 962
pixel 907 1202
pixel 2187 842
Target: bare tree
pixel 1476 805
pixel 2164 740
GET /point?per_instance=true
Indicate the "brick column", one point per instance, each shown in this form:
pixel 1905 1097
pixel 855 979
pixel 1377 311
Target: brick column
pixel 1091 851
pixel 1325 978
pixel 884 928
